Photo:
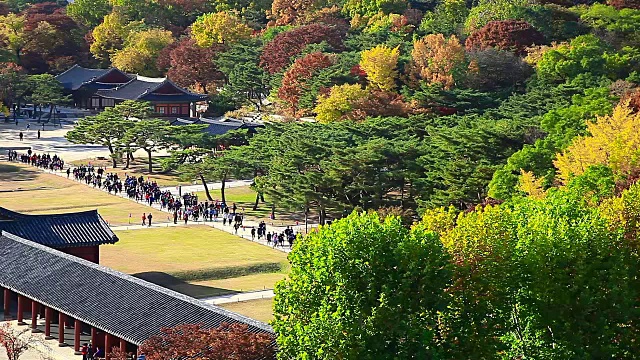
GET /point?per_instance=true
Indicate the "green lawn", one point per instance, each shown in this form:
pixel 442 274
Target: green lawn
pixel 202 289
pixel 261 310
pixel 26 189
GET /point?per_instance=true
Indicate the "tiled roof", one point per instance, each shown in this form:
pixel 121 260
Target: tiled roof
pixel 141 88
pixel 77 76
pixel 120 304
pixel 218 126
pixel 59 230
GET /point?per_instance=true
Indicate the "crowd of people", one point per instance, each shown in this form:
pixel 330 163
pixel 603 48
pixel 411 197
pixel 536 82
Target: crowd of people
pixel 43 161
pixel 184 208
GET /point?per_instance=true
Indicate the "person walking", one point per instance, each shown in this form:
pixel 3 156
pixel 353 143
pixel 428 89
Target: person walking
pixel 253 234
pixel 144 219
pixel 85 351
pixel 38 134
pixel 68 172
pixel 21 135
pixel 149 217
pixel 175 217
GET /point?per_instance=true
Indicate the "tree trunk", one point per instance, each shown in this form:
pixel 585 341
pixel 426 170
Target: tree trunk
pixel 206 188
pixel 150 162
pixel 224 183
pixel 255 205
pixel 113 158
pixel 126 166
pixel 51 113
pixel 323 215
pixel 262 197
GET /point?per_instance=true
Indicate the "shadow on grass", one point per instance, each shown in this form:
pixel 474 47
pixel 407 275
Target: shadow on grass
pixel 10 172
pixel 181 286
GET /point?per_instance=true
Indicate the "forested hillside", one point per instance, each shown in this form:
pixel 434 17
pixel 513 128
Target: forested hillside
pixel 418 103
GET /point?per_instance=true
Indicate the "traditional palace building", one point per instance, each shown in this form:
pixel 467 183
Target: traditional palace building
pixel 50 279
pixel 96 89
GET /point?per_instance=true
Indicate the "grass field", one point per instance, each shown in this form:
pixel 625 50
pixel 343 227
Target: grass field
pixel 261 310
pixel 28 190
pixel 197 260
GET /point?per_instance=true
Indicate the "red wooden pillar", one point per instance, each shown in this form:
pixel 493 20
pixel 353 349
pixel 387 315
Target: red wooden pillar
pixel 77 326
pixel 61 320
pixel 35 310
pixel 108 344
pixel 21 310
pixel 48 314
pixel 7 304
pixel 123 346
pixel 94 336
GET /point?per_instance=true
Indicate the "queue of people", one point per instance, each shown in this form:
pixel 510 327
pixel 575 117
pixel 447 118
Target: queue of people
pixel 184 208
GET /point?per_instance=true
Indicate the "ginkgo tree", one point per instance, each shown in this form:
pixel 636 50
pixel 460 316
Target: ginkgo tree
pixel 613 140
pixel 380 64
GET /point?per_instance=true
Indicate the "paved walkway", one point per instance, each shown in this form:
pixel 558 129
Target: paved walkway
pixel 231 298
pixel 43 349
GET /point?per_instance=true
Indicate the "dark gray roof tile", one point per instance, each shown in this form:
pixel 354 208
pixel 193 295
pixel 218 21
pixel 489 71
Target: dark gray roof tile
pixel 120 304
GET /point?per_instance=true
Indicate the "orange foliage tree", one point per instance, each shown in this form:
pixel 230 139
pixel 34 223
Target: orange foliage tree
pixel 437 59
pixel 195 342
pixel 295 79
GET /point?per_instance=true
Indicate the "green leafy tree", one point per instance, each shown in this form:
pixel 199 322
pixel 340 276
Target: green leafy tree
pixel 447 18
pixel 355 292
pixel 89 13
pixel 141 50
pixel 149 135
pixel 12 33
pixel 47 91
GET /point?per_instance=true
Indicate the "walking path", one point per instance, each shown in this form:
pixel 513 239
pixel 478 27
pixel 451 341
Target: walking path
pixel 211 186
pixel 243 232
pixel 231 298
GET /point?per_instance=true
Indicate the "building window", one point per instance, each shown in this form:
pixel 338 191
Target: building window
pixel 161 109
pixel 95 102
pixel 175 109
pixel 108 102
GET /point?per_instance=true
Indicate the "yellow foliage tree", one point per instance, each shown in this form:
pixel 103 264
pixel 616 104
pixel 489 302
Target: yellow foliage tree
pixel 110 35
pixel 531 186
pixel 219 28
pixel 613 140
pixel 339 102
pixel 141 51
pixel 437 59
pixel 380 65
pixel 12 34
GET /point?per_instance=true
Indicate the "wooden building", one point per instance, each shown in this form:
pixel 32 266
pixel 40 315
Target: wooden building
pixel 112 309
pixel 97 89
pixel 79 234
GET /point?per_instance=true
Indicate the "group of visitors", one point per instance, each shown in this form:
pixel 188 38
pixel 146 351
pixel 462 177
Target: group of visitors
pixel 184 208
pixel 43 161
pixel 90 352
pixel 279 238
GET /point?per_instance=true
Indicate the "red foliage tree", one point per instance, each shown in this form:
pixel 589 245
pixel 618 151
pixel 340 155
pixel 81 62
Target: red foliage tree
pixel 624 4
pixel 276 54
pixel 69 47
pixel 195 342
pixel 512 35
pixel 294 80
pixel 188 64
pixel 380 103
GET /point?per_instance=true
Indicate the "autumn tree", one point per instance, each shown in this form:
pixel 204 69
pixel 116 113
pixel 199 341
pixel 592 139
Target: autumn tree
pixel 379 63
pixel 141 50
pixel 219 28
pixel 285 12
pixel 277 54
pixel 190 65
pixel 511 35
pixel 12 34
pixel 613 141
pixel 437 59
pixel 233 341
pixel 624 4
pixel 110 35
pixel 379 103
pixel 16 342
pixel 339 102
pixel 294 80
